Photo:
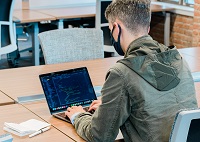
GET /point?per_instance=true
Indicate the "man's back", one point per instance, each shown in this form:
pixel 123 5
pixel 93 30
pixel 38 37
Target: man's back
pixel 159 84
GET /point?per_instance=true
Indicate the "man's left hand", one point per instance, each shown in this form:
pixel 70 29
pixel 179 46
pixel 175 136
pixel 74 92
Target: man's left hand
pixel 74 109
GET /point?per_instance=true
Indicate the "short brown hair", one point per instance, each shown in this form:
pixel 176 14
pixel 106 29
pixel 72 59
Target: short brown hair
pixel 134 14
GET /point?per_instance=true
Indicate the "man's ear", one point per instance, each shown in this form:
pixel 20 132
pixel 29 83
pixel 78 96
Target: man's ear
pixel 116 30
pixel 116 26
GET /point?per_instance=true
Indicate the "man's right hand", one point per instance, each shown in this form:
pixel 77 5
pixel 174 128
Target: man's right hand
pixel 94 105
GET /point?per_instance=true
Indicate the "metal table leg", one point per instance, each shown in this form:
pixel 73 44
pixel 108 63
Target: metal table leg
pixel 35 45
pixel 60 24
pixel 167 29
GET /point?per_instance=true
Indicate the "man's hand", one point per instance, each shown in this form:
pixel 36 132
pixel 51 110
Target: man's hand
pixel 74 109
pixel 94 105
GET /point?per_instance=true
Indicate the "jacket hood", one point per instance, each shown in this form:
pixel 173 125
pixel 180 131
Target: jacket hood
pixel 159 65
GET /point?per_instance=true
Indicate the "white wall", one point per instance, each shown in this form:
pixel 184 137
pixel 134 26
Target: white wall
pixel 35 4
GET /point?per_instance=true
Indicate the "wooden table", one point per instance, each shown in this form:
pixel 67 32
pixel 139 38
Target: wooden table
pixel 86 11
pixel 197 87
pixel 16 113
pixel 69 13
pixel 191 55
pixel 191 51
pixel 25 81
pixel 33 17
pixel 90 11
pixel 41 109
pixel 5 100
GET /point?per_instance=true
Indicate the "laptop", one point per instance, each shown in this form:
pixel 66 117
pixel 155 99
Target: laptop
pixel 67 88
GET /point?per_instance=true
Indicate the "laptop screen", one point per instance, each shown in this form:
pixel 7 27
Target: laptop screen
pixel 67 88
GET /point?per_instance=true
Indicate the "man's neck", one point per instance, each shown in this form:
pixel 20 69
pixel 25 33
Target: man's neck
pixel 129 38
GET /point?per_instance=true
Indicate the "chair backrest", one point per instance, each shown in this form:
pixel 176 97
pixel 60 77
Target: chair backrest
pixel 74 44
pixel 186 126
pixel 7 37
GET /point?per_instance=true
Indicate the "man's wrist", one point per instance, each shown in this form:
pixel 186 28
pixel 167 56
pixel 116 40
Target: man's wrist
pixel 72 118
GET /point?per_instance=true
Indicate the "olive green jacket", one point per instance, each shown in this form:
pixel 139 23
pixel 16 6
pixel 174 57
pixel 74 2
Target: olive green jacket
pixel 141 95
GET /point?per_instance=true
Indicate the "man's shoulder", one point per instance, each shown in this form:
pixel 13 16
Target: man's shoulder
pixel 118 66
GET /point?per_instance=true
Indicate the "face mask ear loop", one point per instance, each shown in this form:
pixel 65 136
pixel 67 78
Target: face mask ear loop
pixel 119 33
pixel 111 36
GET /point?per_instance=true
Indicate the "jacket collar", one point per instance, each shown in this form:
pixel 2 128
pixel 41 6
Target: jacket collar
pixel 134 45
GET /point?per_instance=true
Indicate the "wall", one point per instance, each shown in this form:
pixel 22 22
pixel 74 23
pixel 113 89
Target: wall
pixel 182 30
pixel 196 24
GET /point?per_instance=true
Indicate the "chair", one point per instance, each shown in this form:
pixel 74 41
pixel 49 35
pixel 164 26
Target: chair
pixel 74 44
pixel 8 41
pixel 186 126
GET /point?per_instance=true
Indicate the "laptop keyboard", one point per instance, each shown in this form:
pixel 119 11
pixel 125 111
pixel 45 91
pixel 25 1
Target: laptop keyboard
pixel 62 114
pixel 86 109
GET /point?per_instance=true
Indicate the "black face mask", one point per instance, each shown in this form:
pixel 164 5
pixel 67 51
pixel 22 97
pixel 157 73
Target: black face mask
pixel 117 45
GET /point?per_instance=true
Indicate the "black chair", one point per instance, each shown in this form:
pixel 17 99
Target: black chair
pixel 8 41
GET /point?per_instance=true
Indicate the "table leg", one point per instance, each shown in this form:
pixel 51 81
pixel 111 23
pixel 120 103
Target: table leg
pixel 35 45
pixel 60 24
pixel 167 29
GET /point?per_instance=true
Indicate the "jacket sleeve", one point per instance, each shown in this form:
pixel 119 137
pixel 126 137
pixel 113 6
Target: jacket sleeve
pixel 104 124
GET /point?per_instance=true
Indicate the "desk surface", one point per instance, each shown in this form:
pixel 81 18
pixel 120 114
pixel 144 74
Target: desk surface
pixel 27 78
pixel 29 16
pixel 70 12
pixel 27 81
pixel 41 109
pixel 191 51
pixel 197 87
pixel 191 55
pixel 5 100
pixel 87 11
pixel 16 113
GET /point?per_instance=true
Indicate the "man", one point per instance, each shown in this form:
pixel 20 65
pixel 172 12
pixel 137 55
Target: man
pixel 142 92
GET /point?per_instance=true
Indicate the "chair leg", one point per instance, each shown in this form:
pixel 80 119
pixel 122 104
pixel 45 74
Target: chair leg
pixel 12 59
